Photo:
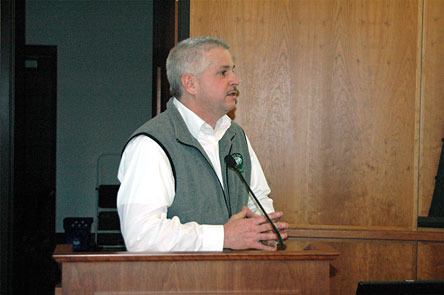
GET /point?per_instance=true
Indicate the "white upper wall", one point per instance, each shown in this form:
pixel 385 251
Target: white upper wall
pixel 103 89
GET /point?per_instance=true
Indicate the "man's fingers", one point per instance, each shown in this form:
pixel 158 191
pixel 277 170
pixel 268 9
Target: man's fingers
pixel 281 226
pixel 264 246
pixel 267 236
pixel 275 216
pixel 263 219
pixel 241 214
pixel 271 236
pixel 250 214
pixel 246 230
pixel 271 243
pixel 264 227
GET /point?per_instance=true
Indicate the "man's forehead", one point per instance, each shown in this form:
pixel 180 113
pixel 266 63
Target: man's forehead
pixel 220 57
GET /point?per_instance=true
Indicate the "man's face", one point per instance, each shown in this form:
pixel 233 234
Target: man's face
pixel 217 84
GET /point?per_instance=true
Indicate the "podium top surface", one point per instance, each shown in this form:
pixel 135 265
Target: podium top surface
pixel 310 251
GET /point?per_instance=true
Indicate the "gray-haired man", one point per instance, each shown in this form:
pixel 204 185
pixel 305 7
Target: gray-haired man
pixel 176 192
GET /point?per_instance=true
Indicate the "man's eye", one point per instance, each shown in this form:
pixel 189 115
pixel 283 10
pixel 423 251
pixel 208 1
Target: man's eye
pixel 223 73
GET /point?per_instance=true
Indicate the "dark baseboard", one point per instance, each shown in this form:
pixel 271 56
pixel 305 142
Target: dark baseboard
pixel 429 221
pixel 409 287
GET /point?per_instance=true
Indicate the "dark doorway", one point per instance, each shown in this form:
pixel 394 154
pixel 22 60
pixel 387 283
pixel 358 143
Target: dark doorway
pixel 171 25
pixel 34 173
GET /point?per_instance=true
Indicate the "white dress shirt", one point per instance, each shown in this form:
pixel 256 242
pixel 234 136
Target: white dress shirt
pixel 147 190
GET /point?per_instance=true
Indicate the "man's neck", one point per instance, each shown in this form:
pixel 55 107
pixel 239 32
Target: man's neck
pixel 203 113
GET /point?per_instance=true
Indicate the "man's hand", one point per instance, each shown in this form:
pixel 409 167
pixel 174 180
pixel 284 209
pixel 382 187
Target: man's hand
pixel 246 230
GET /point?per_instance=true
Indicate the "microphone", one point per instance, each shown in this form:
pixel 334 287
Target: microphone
pixel 234 164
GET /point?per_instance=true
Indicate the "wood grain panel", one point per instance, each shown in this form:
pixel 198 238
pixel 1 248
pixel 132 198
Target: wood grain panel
pixel 363 234
pixel 303 270
pixel 432 101
pixel 430 261
pixel 368 261
pixel 196 277
pixel 308 251
pixel 328 101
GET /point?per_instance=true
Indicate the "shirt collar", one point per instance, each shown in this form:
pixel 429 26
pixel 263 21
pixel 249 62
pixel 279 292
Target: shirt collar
pixel 197 126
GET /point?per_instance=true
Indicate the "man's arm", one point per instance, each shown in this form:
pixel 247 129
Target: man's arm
pixel 146 191
pixel 256 231
pixel 259 185
pixel 247 230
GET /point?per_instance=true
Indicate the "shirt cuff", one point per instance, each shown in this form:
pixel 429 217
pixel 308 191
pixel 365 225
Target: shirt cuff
pixel 212 237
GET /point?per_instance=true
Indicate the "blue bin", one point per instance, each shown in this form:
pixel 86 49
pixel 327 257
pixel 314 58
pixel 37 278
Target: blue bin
pixel 78 232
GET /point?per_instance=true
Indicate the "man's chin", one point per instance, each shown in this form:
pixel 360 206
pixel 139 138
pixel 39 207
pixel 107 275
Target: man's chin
pixel 232 99
pixel 232 104
pixel 232 113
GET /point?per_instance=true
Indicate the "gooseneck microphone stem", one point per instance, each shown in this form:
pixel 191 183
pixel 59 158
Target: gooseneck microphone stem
pixel 229 160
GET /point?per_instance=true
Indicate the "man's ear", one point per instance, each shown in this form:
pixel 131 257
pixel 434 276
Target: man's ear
pixel 189 83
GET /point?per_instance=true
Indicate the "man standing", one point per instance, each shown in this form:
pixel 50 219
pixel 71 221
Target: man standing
pixel 176 192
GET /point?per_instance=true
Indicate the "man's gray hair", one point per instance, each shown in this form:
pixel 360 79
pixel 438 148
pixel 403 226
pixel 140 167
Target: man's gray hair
pixel 187 57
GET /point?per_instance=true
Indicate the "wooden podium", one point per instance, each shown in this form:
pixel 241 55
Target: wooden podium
pixel 301 271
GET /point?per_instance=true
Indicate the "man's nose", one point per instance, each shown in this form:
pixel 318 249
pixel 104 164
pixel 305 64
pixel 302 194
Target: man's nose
pixel 235 79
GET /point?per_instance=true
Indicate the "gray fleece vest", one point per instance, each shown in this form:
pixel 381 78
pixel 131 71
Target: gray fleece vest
pixel 199 196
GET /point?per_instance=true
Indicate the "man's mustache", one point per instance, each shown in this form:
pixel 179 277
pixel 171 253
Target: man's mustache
pixel 234 91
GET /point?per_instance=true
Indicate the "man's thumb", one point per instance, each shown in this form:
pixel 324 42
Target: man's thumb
pixel 241 214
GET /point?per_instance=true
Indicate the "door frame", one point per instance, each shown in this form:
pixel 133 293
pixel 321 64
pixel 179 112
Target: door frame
pixel 12 40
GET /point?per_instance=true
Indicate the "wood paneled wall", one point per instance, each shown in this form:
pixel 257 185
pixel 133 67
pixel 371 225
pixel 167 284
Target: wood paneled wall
pixel 344 104
pixel 432 100
pixel 368 261
pixel 329 99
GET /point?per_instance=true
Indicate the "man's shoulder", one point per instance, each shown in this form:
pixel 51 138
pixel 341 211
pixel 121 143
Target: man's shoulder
pixel 162 120
pixel 157 128
pixel 236 128
pixel 235 125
